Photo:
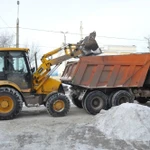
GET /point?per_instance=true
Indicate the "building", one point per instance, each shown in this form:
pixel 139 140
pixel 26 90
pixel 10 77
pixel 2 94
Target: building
pixel 118 49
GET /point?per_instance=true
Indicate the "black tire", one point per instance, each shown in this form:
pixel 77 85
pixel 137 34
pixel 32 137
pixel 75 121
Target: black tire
pixel 13 103
pixel 94 102
pixel 47 96
pixel 75 101
pixel 142 100
pixel 62 100
pixel 109 101
pixel 122 96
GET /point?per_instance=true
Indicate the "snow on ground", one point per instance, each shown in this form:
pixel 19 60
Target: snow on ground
pixel 116 129
pixel 127 122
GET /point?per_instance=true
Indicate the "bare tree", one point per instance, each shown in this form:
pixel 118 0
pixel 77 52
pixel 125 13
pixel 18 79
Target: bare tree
pixel 34 49
pixel 6 39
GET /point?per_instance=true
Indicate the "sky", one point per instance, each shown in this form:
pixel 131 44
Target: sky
pixel 127 19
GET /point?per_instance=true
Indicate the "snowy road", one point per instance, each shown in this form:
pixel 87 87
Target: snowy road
pixel 34 129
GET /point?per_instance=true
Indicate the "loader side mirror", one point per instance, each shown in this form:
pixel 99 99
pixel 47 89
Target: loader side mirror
pixel 33 69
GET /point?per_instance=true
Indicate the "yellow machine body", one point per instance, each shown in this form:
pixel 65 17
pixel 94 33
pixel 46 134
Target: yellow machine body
pixel 19 83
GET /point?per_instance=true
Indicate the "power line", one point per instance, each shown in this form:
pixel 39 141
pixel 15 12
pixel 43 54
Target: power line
pixel 120 38
pixel 4 36
pixel 6 27
pixel 6 24
pixel 40 30
pixel 4 21
pixel 24 45
pixel 37 46
pixel 52 31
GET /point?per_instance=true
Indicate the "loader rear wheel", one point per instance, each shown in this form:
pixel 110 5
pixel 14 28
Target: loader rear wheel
pixel 58 105
pixel 122 96
pixel 10 103
pixel 76 102
pixel 94 102
pixel 142 100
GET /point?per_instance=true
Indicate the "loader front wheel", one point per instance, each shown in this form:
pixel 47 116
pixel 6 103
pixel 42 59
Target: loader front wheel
pixel 58 105
pixel 94 102
pixel 10 103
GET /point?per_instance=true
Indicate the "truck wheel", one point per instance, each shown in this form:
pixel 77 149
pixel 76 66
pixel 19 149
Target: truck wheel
pixel 10 103
pixel 109 101
pixel 76 102
pixel 94 102
pixel 142 100
pixel 122 96
pixel 58 105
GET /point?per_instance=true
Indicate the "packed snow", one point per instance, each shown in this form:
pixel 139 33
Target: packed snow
pixel 35 129
pixel 127 122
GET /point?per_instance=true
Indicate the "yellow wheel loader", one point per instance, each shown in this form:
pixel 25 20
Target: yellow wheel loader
pixel 19 83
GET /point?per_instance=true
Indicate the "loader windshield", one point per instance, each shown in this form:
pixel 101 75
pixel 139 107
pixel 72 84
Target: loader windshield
pixel 16 62
pixel 1 62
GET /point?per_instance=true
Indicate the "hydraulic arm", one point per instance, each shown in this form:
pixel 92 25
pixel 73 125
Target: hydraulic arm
pixel 82 48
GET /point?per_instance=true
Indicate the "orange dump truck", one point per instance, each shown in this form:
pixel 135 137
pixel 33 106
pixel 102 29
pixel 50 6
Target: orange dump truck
pixel 99 82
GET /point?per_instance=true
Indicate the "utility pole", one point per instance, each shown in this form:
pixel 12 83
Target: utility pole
pixel 148 39
pixel 64 33
pixel 81 30
pixel 17 26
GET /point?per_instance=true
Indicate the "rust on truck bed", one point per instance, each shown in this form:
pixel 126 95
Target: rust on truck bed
pixel 108 71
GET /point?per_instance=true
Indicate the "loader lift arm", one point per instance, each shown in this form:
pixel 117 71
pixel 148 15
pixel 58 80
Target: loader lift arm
pixel 70 51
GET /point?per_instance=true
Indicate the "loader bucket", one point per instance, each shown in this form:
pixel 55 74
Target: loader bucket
pixel 89 45
pixel 90 42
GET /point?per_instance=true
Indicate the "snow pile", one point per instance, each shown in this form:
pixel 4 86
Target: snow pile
pixel 127 121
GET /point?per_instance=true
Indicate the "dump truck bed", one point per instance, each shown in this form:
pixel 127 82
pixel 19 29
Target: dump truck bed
pixel 108 71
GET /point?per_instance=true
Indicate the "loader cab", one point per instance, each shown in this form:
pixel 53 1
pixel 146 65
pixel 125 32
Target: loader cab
pixel 15 67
